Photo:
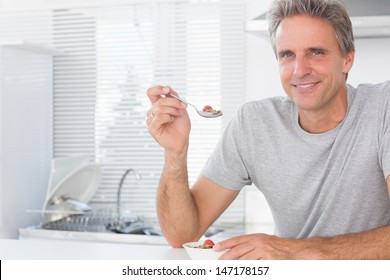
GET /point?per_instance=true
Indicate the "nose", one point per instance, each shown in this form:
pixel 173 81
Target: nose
pixel 301 67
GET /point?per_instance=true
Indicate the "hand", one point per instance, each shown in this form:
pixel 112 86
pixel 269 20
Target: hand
pixel 267 247
pixel 167 120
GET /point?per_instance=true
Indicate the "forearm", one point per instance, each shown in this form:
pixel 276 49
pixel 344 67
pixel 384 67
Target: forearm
pixel 176 209
pixel 373 244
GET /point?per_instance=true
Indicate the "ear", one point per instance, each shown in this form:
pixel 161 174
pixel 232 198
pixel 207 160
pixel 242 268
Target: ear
pixel 348 61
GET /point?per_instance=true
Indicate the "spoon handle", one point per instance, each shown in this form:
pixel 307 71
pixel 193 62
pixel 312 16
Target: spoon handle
pixel 178 98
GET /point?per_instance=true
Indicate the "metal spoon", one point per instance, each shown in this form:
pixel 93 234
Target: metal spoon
pixel 204 114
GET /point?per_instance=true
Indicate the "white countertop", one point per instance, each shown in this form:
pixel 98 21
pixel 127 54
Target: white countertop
pixel 36 233
pixel 41 244
pixel 37 249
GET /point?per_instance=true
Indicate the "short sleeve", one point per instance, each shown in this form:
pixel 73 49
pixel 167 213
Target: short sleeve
pixel 384 130
pixel 225 166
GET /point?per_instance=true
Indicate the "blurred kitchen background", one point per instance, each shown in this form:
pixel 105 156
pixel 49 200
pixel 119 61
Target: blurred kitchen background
pixel 73 77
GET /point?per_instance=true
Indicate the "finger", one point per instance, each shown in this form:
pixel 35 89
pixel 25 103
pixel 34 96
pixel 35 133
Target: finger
pixel 149 119
pixel 174 109
pixel 150 113
pixel 155 124
pixel 240 252
pixel 156 92
pixel 251 254
pixel 158 110
pixel 229 243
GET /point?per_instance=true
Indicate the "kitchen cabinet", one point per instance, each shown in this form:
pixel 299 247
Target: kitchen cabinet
pixel 25 132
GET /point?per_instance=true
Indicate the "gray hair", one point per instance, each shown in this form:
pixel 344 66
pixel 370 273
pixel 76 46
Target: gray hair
pixel 333 11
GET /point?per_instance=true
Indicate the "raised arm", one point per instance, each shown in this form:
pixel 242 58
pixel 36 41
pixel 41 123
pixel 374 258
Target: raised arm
pixel 184 213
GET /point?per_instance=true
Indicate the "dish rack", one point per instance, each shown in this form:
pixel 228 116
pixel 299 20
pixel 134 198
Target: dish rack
pixel 101 221
pixel 91 222
pixel 72 183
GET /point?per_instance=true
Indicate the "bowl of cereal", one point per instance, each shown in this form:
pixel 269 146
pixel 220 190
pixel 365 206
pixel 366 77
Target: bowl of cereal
pixel 202 250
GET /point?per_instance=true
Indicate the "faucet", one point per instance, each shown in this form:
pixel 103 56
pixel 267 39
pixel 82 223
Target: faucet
pixel 118 198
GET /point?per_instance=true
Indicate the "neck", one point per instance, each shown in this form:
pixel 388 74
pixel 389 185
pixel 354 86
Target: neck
pixel 324 119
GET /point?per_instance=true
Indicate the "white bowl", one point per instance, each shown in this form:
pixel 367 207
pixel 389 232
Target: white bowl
pixel 199 253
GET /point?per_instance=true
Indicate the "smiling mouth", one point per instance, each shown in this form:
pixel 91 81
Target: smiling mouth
pixel 306 85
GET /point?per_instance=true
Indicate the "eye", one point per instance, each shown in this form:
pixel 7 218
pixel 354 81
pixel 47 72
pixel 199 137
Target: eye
pixel 286 54
pixel 317 52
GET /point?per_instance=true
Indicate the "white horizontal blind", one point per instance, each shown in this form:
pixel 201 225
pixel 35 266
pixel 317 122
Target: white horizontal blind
pixel 113 54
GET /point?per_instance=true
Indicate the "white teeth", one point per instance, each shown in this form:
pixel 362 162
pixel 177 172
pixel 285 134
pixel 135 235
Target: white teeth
pixel 306 85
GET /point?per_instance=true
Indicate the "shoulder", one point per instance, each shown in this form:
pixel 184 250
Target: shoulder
pixel 278 105
pixel 373 96
pixel 373 100
pixel 378 86
pixel 372 90
pixel 263 115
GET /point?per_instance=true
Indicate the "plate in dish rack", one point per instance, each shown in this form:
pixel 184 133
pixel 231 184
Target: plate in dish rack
pixel 80 184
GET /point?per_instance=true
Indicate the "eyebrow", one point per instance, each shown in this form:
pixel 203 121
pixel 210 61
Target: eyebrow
pixel 318 49
pixel 311 49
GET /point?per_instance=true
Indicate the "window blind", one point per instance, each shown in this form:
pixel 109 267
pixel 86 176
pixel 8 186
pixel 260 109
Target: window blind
pixel 114 53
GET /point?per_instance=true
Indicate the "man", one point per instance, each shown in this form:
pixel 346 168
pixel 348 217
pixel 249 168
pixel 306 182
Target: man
pixel 321 155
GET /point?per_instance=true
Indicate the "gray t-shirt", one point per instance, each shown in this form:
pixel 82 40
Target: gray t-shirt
pixel 315 184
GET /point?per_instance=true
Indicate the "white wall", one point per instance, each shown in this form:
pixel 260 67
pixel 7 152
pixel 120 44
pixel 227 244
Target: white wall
pixel 372 61
pixel 262 68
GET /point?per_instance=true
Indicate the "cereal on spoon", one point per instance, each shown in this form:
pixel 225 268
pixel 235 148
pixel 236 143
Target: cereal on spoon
pixel 210 109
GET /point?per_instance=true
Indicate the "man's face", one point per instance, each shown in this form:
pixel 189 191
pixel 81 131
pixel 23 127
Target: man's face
pixel 312 67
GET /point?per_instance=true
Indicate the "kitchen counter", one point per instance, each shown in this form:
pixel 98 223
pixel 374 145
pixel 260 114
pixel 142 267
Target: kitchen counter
pixel 37 249
pixel 35 243
pixel 36 233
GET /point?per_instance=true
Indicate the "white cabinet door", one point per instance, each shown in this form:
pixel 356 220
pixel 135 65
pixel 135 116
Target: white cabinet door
pixel 25 135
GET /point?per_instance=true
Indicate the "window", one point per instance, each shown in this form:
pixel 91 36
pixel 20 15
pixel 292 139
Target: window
pixel 113 54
